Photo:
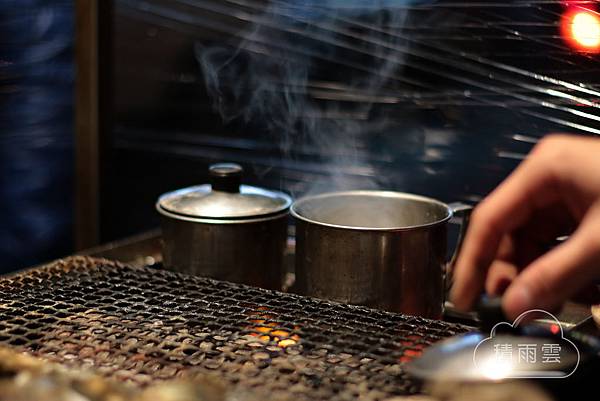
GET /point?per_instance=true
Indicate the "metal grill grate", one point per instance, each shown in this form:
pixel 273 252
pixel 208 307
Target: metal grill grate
pixel 143 325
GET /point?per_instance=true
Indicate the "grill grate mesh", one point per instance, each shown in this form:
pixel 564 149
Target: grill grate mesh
pixel 144 325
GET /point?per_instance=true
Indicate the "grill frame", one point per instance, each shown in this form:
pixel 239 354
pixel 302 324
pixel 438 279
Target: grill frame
pixel 143 325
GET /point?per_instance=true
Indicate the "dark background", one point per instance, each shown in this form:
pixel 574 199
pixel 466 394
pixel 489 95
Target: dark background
pixel 438 98
pixel 36 131
pixel 451 126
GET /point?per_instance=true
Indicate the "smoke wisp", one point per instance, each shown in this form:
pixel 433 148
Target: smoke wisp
pixel 309 78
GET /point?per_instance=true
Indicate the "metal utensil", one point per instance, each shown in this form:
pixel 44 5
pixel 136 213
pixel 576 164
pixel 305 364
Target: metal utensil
pixel 504 351
pixel 380 249
pixel 464 358
pixel 226 230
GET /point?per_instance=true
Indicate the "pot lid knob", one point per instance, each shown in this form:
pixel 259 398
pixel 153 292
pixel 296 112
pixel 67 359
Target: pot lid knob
pixel 226 177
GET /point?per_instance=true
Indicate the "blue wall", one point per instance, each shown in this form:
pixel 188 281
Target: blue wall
pixel 36 131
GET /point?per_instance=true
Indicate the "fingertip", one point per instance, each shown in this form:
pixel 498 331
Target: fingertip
pixel 517 299
pixel 499 277
pixel 461 299
pixel 499 286
pixel 455 298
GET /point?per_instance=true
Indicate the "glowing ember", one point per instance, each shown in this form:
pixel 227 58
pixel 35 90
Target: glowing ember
pixel 581 29
pixel 280 333
pixel 412 353
pixel 269 331
pixel 263 329
pixel 286 343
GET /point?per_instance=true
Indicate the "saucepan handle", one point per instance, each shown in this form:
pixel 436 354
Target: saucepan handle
pixel 462 211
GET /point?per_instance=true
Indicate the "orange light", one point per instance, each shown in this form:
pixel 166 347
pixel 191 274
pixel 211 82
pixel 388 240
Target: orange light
pixel 280 333
pixel 286 343
pixel 268 331
pixel 586 29
pixel 581 29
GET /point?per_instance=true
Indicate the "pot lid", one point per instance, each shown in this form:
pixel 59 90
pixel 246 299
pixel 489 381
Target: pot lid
pixel 224 198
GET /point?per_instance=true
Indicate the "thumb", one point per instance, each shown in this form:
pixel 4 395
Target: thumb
pixel 559 274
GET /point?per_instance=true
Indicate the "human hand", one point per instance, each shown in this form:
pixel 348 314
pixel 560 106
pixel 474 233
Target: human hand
pixel 554 192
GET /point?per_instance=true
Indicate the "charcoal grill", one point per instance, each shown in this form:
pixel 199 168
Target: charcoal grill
pixel 143 325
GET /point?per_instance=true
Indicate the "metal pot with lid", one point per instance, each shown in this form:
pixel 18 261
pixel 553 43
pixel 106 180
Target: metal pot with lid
pixel 226 230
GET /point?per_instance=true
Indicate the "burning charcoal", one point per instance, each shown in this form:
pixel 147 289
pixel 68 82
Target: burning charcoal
pixel 354 377
pixel 213 363
pixel 299 388
pixel 298 361
pixel 353 363
pixel 250 371
pixel 509 391
pixel 261 356
pixel 205 390
pixel 167 372
pixel 243 352
pixel 333 359
pixel 292 351
pixel 225 349
pixel 340 371
pixel 321 352
pixel 412 398
pixel 274 350
pixel 371 369
pixel 145 326
pixel 285 367
pixel 206 346
pixel 393 370
pixel 142 379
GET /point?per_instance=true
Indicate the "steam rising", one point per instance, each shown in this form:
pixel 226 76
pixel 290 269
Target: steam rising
pixel 311 86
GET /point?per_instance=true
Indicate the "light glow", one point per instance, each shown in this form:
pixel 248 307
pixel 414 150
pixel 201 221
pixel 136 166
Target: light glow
pixel 586 29
pixel 267 330
pixel 581 29
pixel 496 370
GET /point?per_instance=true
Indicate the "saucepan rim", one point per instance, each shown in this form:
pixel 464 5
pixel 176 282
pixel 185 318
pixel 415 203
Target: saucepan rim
pixel 375 193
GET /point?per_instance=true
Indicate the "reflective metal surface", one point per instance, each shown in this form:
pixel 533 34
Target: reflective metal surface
pixel 469 358
pixel 145 325
pixel 248 253
pixel 381 249
pixel 224 199
pixel 371 210
pixel 226 230
pixel 200 203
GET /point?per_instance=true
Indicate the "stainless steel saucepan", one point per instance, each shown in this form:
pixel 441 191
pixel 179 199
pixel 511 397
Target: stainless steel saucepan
pixel 380 249
pixel 226 230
